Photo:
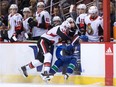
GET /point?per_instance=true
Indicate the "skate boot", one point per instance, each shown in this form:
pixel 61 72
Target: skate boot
pixel 45 76
pixel 23 71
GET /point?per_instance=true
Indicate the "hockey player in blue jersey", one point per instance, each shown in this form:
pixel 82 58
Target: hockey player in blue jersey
pixel 68 54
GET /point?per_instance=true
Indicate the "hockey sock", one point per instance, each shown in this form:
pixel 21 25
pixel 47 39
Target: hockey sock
pixel 47 61
pixel 47 66
pixel 71 66
pixel 33 64
pixel 56 66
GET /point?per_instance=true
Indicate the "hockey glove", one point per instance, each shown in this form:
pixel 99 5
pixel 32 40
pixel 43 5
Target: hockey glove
pixel 32 23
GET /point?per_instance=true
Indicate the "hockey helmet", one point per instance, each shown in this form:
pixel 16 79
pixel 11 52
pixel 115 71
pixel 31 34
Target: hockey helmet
pixel 56 18
pixel 81 6
pixel 84 38
pixel 70 20
pixel 26 9
pixel 40 4
pixel 93 10
pixel 13 6
pixel 65 25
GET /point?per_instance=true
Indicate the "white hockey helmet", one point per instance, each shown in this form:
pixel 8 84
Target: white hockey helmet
pixel 65 25
pixel 13 6
pixel 70 19
pixel 40 4
pixel 81 6
pixel 93 10
pixel 26 9
pixel 56 18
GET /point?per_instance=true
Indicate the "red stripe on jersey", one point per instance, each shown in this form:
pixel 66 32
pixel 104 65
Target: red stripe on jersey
pixel 92 19
pixel 42 43
pixel 47 64
pixel 51 34
pixel 81 25
pixel 18 27
pixel 31 65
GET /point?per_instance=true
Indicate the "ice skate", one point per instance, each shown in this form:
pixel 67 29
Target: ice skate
pixel 23 71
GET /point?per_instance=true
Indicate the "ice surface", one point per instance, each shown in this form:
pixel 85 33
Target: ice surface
pixel 47 85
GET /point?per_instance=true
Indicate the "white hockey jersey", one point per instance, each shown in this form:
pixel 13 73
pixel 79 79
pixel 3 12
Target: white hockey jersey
pixel 37 31
pixel 92 28
pixel 80 21
pixel 53 35
pixel 81 18
pixel 14 23
pixel 26 25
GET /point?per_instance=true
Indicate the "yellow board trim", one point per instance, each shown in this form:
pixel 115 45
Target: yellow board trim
pixel 76 80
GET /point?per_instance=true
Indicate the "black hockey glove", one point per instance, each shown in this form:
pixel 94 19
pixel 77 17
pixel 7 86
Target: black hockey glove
pixel 32 23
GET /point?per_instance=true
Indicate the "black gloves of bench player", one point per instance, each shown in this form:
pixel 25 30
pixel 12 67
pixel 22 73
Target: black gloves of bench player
pixel 32 23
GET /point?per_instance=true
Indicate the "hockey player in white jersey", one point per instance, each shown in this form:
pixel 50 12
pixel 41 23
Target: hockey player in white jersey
pixel 26 28
pixel 42 22
pixel 81 8
pixel 94 27
pixel 45 42
pixel 80 21
pixel 56 21
pixel 14 23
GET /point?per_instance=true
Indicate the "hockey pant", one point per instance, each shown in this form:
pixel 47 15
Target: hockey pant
pixel 44 54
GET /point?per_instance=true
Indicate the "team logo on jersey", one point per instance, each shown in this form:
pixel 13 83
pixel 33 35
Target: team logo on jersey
pixel 89 29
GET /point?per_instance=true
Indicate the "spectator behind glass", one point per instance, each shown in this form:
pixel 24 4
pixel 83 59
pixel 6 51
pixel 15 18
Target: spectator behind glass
pixel 11 1
pixel 24 3
pixel 87 1
pixel 73 11
pixel 56 12
pixel 4 11
pixel 100 9
pixel 112 18
pixel 112 15
pixel 33 7
pixel 40 0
